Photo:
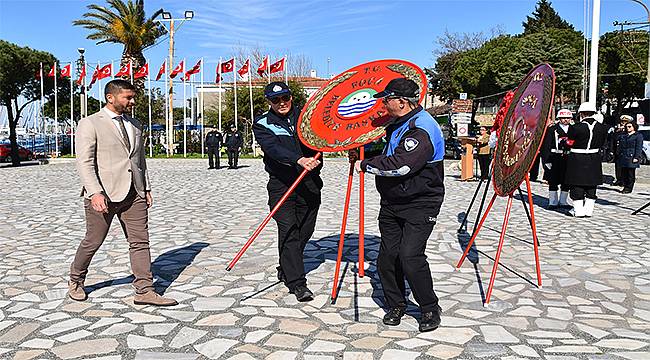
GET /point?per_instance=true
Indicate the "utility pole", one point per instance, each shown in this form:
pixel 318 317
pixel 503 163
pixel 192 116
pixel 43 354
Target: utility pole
pixel 647 79
pixel 167 17
pixel 595 37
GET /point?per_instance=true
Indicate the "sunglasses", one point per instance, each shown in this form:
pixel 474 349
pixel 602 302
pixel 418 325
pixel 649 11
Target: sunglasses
pixel 276 100
pixel 388 98
pixel 629 126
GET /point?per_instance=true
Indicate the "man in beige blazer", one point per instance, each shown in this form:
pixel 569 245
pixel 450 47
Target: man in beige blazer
pixel 113 172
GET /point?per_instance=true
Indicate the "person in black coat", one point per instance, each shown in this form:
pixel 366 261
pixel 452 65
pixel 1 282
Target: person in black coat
pixel 285 157
pixel 213 142
pixel 584 162
pixel 234 142
pixel 618 131
pixel 628 154
pixel 554 154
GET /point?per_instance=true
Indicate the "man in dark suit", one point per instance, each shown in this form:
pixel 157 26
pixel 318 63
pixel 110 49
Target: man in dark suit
pixel 213 142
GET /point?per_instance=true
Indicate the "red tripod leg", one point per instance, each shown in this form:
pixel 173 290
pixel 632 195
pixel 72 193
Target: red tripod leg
pixel 476 230
pixel 361 219
pixel 498 255
pixel 344 223
pixel 268 217
pixel 533 227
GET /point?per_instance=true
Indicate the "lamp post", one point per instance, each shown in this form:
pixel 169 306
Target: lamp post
pixel 167 18
pixel 81 62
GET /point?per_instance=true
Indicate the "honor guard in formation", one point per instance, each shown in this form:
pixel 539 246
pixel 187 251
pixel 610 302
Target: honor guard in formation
pixel 554 154
pixel 285 157
pixel 213 142
pixel 234 142
pixel 409 178
pixel 584 163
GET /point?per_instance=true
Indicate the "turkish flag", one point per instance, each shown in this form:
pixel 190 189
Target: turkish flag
pixel 124 70
pixel 52 72
pixel 142 72
pixel 217 79
pixel 245 68
pixel 82 76
pixel 195 69
pixel 161 71
pixel 105 72
pixel 228 66
pixel 178 69
pixel 277 66
pixel 94 77
pixel 66 71
pixel 262 68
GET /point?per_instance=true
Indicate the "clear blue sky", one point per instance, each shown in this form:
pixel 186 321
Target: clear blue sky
pixel 348 32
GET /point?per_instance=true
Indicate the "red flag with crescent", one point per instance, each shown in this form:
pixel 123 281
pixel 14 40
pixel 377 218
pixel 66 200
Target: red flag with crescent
pixel 105 72
pixel 161 71
pixel 245 68
pixel 228 66
pixel 124 70
pixel 262 68
pixel 82 75
pixel 52 72
pixel 142 72
pixel 178 69
pixel 66 71
pixel 277 66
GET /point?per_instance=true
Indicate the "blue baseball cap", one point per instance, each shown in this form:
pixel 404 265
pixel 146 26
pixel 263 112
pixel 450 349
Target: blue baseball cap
pixel 275 89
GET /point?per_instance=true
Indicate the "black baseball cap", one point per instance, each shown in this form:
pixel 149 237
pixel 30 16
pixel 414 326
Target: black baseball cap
pixel 401 87
pixel 275 89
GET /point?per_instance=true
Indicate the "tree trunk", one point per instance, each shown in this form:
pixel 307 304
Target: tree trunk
pixel 15 159
pixel 137 60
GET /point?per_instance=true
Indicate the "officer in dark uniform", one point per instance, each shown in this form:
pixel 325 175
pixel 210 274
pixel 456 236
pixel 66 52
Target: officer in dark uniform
pixel 234 142
pixel 584 163
pixel 554 154
pixel 409 178
pixel 213 142
pixel 285 157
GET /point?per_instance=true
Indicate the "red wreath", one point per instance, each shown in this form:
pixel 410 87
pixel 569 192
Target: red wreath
pixel 503 109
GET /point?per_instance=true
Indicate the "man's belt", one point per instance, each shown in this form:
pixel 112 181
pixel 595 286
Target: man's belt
pixel 584 151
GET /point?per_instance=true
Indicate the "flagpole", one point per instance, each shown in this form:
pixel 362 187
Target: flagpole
pixel 286 69
pixel 219 80
pixel 71 112
pixel 99 83
pixel 234 76
pixel 184 111
pixel 268 68
pixel 42 112
pixel 202 114
pixel 56 114
pixel 131 75
pixel 150 129
pixel 250 96
pixel 166 109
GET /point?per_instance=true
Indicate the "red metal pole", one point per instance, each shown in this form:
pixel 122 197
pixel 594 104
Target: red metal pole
pixel 269 216
pixel 534 229
pixel 498 255
pixel 344 223
pixel 476 230
pixel 361 219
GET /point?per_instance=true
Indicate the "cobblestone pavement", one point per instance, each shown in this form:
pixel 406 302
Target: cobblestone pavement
pixel 594 303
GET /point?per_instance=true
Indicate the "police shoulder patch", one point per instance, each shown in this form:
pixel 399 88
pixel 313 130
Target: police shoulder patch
pixel 410 144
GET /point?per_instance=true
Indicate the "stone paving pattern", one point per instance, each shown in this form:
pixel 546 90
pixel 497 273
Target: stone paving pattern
pixel 594 303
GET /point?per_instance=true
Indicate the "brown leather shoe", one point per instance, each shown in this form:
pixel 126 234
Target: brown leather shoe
pixel 76 291
pixel 152 298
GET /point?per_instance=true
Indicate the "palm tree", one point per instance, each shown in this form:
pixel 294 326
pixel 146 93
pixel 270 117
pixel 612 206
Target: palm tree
pixel 124 23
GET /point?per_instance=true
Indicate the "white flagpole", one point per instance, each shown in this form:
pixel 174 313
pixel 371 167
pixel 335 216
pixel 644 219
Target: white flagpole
pixel 250 96
pixel 167 130
pixel 268 68
pixel 202 114
pixel 99 83
pixel 219 79
pixel 149 90
pixel 71 112
pixel 42 112
pixel 56 114
pixel 192 110
pixel 131 75
pixel 286 69
pixel 234 75
pixel 184 114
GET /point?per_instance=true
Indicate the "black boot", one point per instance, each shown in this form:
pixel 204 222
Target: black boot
pixel 302 293
pixel 394 316
pixel 430 320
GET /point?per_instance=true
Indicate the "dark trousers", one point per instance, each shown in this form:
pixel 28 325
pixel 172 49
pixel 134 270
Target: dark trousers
pixel 296 220
pixel 618 172
pixel 628 177
pixel 404 235
pixel 214 154
pixel 534 170
pixel 233 157
pixel 579 192
pixel 484 164
pixel 133 215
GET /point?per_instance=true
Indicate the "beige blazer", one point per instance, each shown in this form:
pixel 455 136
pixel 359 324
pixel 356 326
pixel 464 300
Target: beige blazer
pixel 103 163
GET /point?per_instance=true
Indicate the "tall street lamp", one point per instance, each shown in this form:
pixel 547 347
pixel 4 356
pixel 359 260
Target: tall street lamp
pixel 167 18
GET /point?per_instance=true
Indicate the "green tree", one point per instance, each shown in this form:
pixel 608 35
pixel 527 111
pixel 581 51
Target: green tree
pixel 124 23
pixel 544 17
pixel 18 66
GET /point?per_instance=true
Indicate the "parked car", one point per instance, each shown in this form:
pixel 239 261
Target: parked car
pixel 23 154
pixel 453 148
pixel 645 131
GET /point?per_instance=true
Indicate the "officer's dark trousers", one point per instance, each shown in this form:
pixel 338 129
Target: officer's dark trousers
pixel 296 220
pixel 233 157
pixel 628 177
pixel 534 170
pixel 404 235
pixel 579 192
pixel 213 154
pixel 484 164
